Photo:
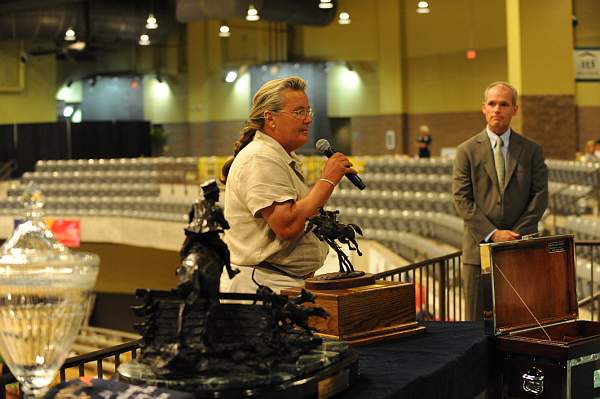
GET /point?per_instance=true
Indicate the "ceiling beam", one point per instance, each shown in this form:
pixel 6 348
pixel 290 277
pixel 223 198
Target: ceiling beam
pixel 12 6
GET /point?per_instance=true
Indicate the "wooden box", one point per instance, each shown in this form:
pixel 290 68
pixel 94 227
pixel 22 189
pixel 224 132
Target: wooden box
pixel 365 314
pixel 531 308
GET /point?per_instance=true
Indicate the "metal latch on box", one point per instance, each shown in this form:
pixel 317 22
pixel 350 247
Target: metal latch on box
pixel 533 381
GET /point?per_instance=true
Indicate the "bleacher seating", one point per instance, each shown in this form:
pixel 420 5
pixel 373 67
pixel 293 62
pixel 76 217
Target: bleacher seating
pixel 384 199
pixel 126 187
pixel 404 164
pixel 404 195
pixel 397 230
pixel 570 199
pixel 573 172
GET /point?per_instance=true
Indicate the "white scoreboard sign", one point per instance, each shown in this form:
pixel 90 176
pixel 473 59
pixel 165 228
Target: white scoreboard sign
pixel 587 64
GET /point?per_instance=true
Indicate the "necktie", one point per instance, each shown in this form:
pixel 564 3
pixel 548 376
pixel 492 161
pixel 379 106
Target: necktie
pixel 499 162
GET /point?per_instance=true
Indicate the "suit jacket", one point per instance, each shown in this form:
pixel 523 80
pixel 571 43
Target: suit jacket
pixel 477 197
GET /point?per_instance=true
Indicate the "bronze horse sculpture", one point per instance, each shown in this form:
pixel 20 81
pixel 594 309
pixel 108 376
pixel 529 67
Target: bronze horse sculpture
pixel 328 229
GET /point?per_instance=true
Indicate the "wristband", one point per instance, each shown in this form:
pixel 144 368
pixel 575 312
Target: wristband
pixel 328 181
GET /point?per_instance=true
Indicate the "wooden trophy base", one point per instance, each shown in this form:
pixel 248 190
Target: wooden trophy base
pixel 376 311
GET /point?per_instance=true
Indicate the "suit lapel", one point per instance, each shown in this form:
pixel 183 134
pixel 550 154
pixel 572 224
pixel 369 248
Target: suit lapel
pixel 515 146
pixel 485 153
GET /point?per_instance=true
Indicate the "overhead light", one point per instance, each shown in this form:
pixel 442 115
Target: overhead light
pixel 151 22
pixel 231 76
pixel 68 111
pixel 76 116
pixel 423 7
pixel 350 78
pixel 252 14
pixel 344 18
pixel 224 30
pixel 325 4
pixel 77 46
pixel 144 40
pixel 161 89
pixel 70 35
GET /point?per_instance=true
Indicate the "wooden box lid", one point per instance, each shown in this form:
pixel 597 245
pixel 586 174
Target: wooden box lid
pixel 525 277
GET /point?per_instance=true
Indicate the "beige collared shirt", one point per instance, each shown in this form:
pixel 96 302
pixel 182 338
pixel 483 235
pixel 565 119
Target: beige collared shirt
pixel 263 173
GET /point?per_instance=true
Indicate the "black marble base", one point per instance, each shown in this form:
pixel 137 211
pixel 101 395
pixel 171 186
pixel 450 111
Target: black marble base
pixel 322 372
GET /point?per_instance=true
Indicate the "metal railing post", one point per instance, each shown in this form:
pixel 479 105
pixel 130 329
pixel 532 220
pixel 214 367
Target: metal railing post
pixel 593 304
pixel 437 281
pixel 442 289
pixel 597 189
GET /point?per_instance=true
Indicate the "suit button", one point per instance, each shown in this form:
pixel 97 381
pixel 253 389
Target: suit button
pixel 499 202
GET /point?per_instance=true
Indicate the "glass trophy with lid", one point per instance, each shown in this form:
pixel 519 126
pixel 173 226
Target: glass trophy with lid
pixel 44 294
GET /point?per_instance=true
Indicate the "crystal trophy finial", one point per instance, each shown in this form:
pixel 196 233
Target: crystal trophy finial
pixel 32 233
pixel 33 201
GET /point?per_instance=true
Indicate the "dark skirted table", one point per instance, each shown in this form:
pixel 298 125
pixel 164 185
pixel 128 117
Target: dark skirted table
pixel 449 361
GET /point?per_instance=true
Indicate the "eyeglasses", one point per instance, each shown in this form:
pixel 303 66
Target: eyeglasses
pixel 301 113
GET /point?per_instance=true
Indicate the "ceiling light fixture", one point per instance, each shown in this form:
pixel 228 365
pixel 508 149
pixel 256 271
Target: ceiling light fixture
pixel 423 7
pixel 325 4
pixel 70 35
pixel 224 30
pixel 76 118
pixel 68 111
pixel 231 76
pixel 144 40
pixel 151 22
pixel 252 14
pixel 77 46
pixel 344 18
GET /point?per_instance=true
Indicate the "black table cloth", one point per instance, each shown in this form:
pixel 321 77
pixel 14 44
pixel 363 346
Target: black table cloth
pixel 450 360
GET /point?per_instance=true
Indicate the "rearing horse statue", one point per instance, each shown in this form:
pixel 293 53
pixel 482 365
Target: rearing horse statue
pixel 328 229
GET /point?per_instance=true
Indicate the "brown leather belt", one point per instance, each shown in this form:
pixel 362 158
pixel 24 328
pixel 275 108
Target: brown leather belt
pixel 269 266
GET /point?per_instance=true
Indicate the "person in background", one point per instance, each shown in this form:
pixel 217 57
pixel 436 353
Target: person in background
pixel 423 142
pixel 267 200
pixel 500 187
pixel 597 150
pixel 590 154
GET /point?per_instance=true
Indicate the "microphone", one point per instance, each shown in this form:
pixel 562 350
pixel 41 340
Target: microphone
pixel 324 148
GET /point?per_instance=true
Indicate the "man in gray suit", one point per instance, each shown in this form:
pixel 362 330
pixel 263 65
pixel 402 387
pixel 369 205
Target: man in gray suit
pixel 500 186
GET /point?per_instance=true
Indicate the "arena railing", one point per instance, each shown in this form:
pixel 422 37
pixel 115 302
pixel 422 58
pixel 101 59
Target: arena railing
pixel 7 169
pixel 438 286
pixel 590 252
pixel 438 283
pixel 79 362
